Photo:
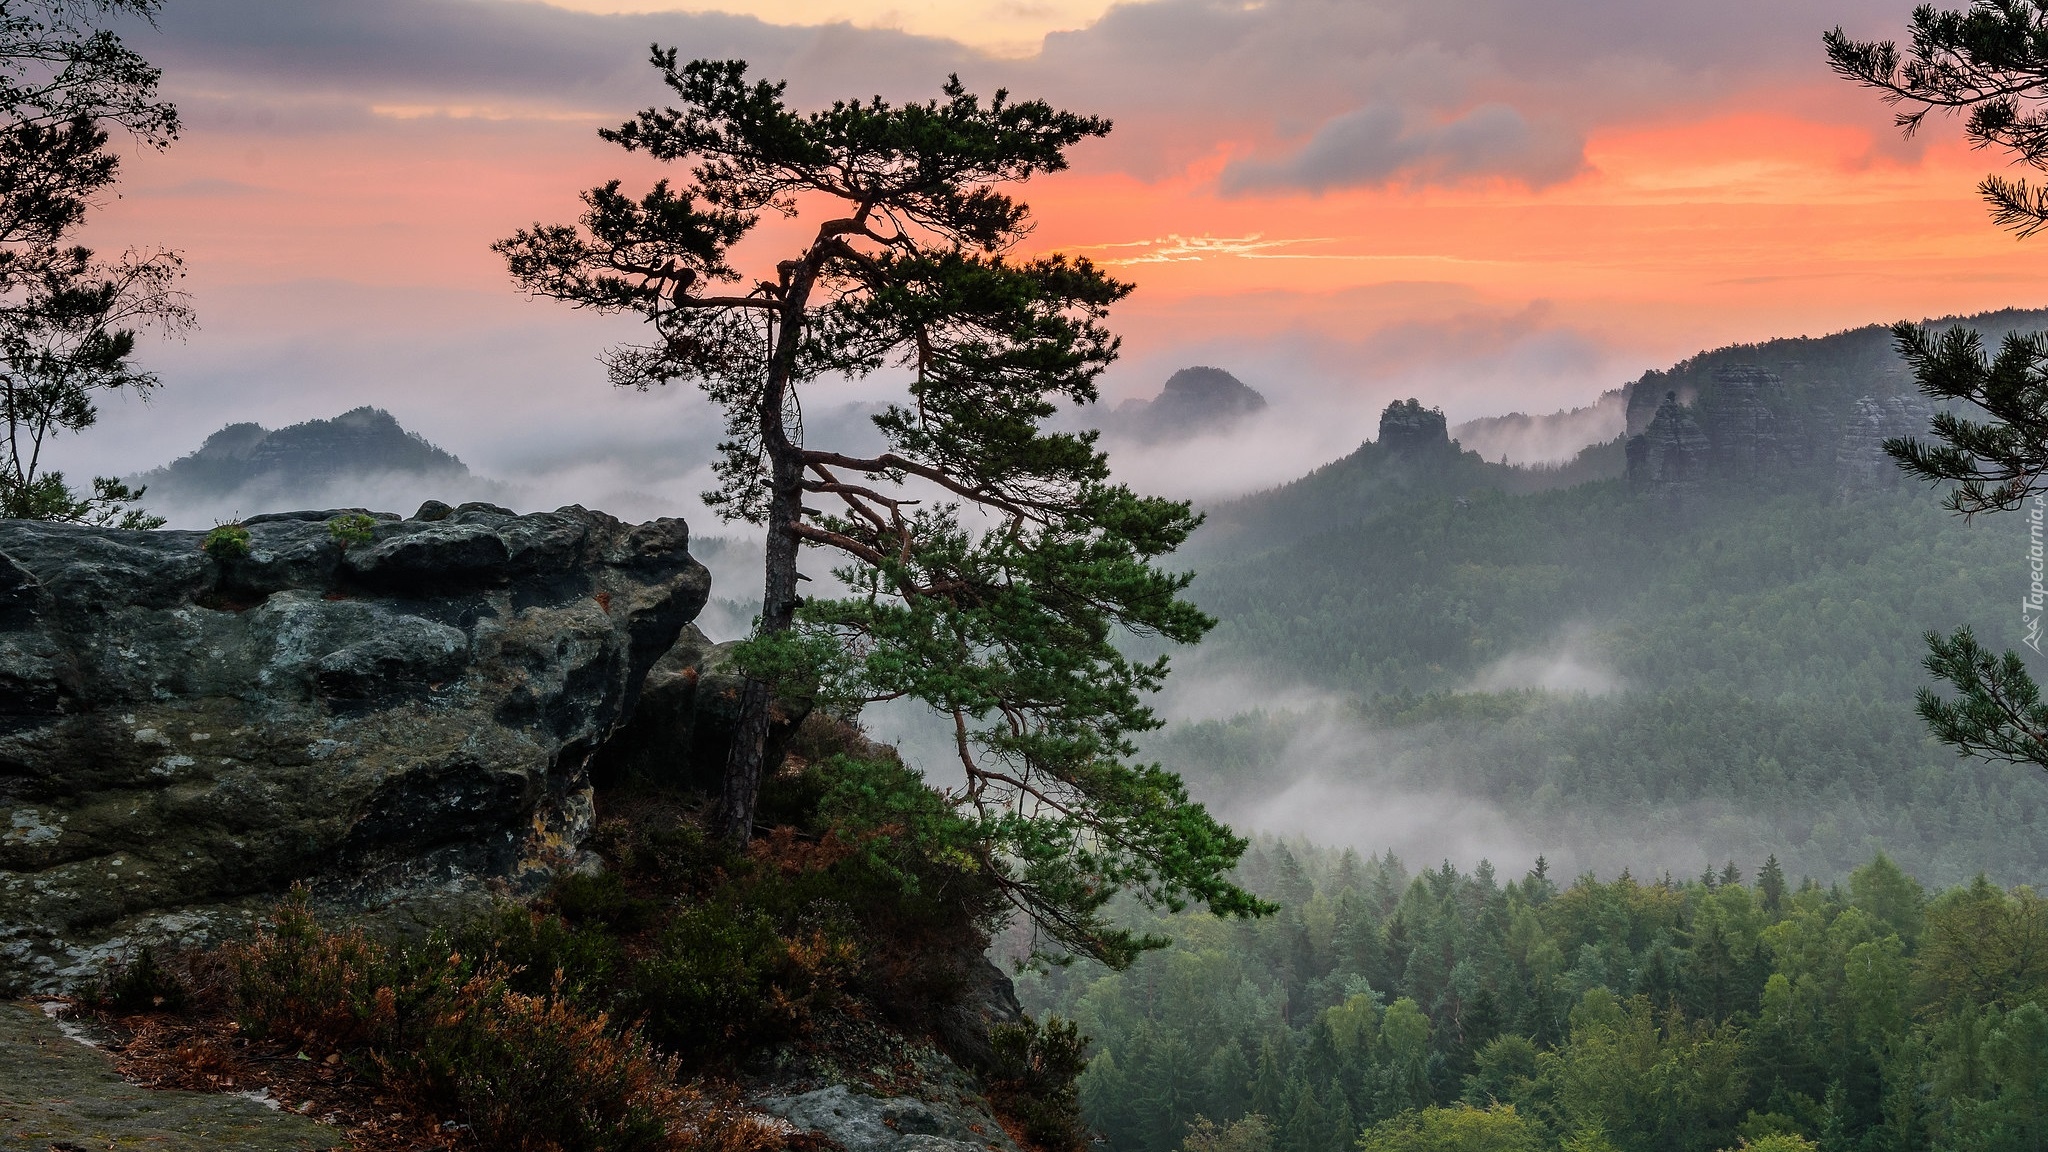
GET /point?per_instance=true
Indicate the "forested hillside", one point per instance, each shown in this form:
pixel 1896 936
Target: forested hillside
pixel 1706 670
pixel 1468 1010
pixel 1638 685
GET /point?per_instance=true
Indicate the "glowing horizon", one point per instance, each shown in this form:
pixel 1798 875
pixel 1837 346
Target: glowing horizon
pixel 1390 217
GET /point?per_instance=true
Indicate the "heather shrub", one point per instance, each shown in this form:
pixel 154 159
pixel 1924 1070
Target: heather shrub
pixel 525 1072
pixel 600 900
pixel 536 949
pixel 721 978
pixel 140 984
pixel 298 980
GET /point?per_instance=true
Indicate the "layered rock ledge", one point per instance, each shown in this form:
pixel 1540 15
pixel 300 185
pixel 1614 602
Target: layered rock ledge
pixel 397 722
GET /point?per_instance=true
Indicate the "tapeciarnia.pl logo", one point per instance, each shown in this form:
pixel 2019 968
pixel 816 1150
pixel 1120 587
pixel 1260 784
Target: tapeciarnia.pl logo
pixel 2037 562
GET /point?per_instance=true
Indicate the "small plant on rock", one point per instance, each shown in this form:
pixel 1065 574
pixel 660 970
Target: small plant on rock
pixel 226 542
pixel 354 528
pixel 140 984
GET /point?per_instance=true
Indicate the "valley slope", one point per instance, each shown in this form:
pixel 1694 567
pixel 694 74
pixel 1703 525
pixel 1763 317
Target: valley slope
pixel 1685 664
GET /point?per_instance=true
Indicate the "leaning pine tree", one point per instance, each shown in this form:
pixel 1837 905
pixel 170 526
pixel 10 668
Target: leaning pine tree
pixel 991 563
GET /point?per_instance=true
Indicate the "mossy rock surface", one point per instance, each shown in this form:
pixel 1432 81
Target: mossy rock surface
pixel 58 1093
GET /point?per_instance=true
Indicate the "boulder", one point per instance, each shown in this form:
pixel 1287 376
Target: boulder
pixel 396 722
pixel 859 1122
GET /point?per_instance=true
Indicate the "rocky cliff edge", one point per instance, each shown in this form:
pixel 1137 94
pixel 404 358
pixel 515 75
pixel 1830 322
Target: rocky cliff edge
pixel 400 721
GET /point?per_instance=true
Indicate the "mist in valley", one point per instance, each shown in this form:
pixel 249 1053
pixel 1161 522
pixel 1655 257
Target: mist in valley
pixel 1330 763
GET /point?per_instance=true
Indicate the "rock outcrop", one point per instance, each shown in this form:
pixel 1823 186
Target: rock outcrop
pixel 1860 461
pixel 859 1122
pixel 1407 427
pixel 398 722
pixel 1750 425
pixel 1672 454
pixel 682 726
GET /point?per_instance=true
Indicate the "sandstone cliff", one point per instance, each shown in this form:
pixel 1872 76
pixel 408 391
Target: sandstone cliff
pixel 398 721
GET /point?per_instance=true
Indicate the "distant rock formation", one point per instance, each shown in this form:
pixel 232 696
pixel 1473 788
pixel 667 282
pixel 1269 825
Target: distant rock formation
pixel 1671 456
pixel 1407 427
pixel 399 722
pixel 362 456
pixel 1750 424
pixel 1193 402
pixel 1743 427
pixel 1861 464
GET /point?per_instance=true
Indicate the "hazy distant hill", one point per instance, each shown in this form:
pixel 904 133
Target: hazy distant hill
pixel 1620 673
pixel 1812 412
pixel 1413 458
pixel 360 458
pixel 1194 402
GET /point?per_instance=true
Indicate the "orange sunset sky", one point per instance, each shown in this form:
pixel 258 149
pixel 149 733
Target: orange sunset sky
pixel 1493 206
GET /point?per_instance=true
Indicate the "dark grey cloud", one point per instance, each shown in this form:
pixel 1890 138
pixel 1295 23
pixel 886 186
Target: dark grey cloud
pixel 1379 144
pixel 306 60
pixel 463 46
pixel 1477 87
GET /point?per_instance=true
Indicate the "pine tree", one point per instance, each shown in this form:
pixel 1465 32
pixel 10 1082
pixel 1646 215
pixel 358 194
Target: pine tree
pixel 990 562
pixel 1990 60
pixel 1341 1132
pixel 1770 885
pixel 1308 1126
pixel 1227 1082
pixel 1269 1086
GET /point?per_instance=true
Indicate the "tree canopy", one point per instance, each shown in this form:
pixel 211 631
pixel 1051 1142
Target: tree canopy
pixel 986 564
pixel 68 318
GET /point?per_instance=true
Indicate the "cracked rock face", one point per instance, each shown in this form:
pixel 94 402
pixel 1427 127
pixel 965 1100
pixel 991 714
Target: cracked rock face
pixel 1750 422
pixel 183 736
pixel 1861 464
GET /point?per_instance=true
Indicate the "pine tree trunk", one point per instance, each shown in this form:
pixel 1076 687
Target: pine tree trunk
pixel 746 758
pixel 748 755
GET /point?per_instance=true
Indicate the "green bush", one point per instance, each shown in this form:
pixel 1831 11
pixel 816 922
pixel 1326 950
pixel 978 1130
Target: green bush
pixel 354 528
pixel 600 900
pixel 142 984
pixel 1032 1075
pixel 226 542
pixel 537 950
